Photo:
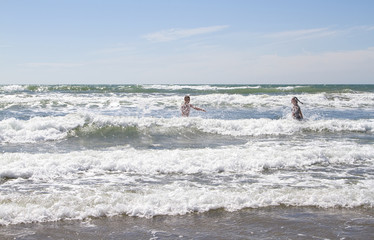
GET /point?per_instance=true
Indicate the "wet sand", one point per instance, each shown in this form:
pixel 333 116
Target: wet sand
pixel 268 223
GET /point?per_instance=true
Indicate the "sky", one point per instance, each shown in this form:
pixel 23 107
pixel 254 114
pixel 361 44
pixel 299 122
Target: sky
pixel 186 42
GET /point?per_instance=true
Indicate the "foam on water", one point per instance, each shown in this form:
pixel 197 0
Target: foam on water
pixel 81 151
pixel 38 129
pixel 60 127
pixel 145 183
pixel 288 88
pixel 12 88
pixel 170 199
pixel 254 156
pixel 198 87
pixel 68 102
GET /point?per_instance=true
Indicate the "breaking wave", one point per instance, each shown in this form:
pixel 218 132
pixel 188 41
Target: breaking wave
pixel 56 128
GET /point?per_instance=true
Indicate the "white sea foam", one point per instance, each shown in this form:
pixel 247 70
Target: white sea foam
pixel 56 128
pixel 123 103
pixel 12 88
pixel 288 88
pixel 77 185
pixel 173 199
pixel 259 161
pixel 38 129
pixel 254 156
pixel 198 87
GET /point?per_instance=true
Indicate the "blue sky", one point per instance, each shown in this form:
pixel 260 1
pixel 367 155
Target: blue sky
pixel 186 42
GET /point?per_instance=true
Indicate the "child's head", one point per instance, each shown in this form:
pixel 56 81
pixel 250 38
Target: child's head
pixel 187 98
pixel 295 100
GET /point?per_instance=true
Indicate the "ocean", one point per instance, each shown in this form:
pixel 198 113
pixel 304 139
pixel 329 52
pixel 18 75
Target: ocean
pixel 119 162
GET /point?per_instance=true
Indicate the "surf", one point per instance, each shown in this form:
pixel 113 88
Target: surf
pixel 147 183
pixel 40 129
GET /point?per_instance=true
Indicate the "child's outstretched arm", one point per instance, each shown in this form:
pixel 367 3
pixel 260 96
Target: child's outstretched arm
pixel 198 109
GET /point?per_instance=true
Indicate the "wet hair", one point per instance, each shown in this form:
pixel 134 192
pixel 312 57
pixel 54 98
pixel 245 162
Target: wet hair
pixel 297 100
pixel 186 97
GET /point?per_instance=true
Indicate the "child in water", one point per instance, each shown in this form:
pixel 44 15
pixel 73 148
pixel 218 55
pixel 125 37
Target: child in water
pixel 296 111
pixel 186 107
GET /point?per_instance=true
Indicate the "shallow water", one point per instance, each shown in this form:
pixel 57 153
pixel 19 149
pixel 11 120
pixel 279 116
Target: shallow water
pixel 74 154
pixel 266 223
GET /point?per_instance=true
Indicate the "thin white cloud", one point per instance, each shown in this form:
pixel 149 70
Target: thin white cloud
pixel 302 34
pixel 242 67
pixel 328 67
pixel 53 65
pixel 364 28
pixel 175 34
pixel 216 67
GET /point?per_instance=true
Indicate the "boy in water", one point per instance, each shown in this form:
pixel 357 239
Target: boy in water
pixel 186 107
pixel 296 111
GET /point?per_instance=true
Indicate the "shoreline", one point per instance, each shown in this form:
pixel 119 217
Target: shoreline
pixel 265 223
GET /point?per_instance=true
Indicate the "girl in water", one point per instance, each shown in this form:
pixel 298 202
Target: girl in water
pixel 186 107
pixel 296 111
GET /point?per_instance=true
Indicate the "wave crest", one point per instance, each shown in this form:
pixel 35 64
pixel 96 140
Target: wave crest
pixel 101 126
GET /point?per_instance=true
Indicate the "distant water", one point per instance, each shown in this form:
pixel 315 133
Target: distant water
pixel 75 152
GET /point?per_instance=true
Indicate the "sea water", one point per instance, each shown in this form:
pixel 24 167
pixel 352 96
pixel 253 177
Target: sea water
pixel 78 152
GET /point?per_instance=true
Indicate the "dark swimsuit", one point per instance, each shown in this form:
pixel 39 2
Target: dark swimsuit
pixel 296 113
